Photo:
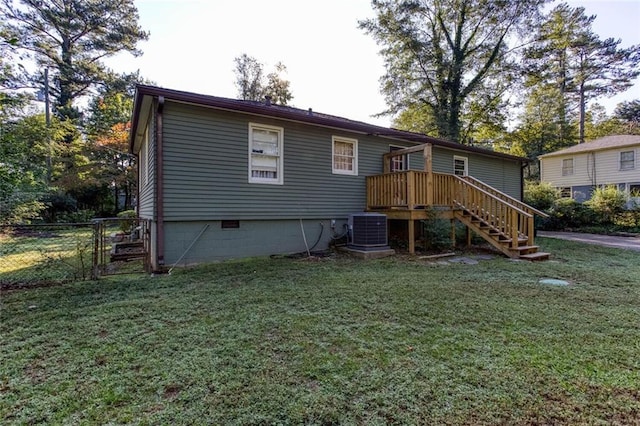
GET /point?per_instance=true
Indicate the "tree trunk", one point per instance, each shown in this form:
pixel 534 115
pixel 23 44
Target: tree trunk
pixel 582 113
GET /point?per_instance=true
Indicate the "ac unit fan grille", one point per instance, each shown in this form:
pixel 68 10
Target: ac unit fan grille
pixel 368 230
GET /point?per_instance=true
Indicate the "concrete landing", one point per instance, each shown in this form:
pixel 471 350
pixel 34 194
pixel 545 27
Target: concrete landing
pixel 368 254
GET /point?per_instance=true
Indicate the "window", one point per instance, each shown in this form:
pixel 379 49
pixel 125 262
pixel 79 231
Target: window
pixel 460 166
pixel 265 154
pixel 565 192
pixel 627 160
pixel 567 167
pixel 399 163
pixel 345 156
pixel 634 190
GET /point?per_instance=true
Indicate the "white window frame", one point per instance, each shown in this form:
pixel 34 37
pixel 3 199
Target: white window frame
pixel 632 161
pixel 354 159
pixel 566 170
pixel 401 163
pixel 465 160
pixel 279 179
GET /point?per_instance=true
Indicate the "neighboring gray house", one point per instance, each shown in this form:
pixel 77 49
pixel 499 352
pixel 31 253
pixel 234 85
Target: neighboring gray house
pixel 224 178
pixel 577 170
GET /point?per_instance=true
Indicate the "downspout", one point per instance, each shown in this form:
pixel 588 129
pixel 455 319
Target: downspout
pixel 522 166
pixel 159 184
pixel 139 185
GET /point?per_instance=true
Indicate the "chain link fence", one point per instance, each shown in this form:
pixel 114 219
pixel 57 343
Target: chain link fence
pixel 33 255
pixel 40 255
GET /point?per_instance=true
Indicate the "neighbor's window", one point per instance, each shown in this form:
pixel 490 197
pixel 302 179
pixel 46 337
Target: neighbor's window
pixel 634 190
pixel 460 166
pixel 565 192
pixel 265 154
pixel 627 160
pixel 567 167
pixel 345 156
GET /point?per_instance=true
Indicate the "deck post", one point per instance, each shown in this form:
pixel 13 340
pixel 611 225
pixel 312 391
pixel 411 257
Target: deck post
pixel 412 236
pixel 428 167
pixel 411 189
pixel 468 236
pixel 531 229
pixel 453 233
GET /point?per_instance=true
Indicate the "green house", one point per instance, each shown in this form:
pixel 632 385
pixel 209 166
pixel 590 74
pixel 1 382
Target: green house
pixel 223 178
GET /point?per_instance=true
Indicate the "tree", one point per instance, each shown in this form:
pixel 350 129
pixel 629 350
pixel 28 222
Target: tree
pixel 71 37
pixel 22 168
pixel 568 55
pixel 541 128
pixel 439 53
pixel 251 84
pixel 107 127
pixel 628 113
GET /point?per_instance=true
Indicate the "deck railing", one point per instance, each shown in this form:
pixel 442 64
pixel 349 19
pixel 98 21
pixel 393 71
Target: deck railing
pixel 416 189
pixel 406 189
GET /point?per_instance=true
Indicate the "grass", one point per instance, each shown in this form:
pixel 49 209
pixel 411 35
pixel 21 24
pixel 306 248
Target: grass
pixel 336 340
pixel 54 253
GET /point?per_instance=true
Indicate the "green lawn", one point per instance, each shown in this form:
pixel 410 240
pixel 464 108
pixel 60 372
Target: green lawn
pixel 336 340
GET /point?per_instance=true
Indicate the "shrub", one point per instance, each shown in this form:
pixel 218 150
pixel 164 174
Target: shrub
pixel 79 216
pixel 126 226
pixel 568 213
pixel 608 202
pixel 540 195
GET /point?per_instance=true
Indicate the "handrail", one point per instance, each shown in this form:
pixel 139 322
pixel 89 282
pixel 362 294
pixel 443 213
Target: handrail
pixel 507 196
pixel 498 213
pixel 500 200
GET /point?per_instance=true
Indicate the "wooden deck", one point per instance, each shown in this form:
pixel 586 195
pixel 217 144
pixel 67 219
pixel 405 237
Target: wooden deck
pixel 503 221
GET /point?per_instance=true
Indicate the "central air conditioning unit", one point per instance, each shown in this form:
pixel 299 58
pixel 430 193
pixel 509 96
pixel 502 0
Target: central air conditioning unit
pixel 367 231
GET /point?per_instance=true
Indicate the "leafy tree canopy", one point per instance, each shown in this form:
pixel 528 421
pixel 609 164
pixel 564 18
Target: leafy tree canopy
pixel 253 85
pixel 441 54
pixel 71 37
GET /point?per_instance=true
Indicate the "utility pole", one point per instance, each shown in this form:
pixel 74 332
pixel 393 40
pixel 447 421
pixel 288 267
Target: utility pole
pixel 47 117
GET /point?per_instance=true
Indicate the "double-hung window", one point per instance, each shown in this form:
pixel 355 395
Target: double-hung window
pixel 627 160
pixel 567 167
pixel 399 163
pixel 265 154
pixel 345 156
pixel 460 167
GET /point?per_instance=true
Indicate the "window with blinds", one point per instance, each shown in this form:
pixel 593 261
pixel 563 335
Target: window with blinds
pixel 265 154
pixel 345 156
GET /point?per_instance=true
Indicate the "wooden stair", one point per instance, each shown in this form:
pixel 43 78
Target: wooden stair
pixel 498 239
pixel 505 214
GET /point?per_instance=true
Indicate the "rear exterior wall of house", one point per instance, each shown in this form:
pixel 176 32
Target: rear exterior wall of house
pixel 212 211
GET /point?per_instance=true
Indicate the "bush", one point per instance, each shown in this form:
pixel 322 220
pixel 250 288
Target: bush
pixel 79 216
pixel 608 203
pixel 566 213
pixel 540 195
pixel 126 226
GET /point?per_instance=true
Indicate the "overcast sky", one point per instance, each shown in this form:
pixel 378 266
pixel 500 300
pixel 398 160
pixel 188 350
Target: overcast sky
pixel 332 65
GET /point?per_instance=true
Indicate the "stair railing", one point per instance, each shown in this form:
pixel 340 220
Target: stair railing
pixel 508 219
pixel 505 197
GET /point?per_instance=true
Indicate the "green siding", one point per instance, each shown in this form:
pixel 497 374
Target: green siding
pixel 502 174
pixel 206 177
pixel 146 191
